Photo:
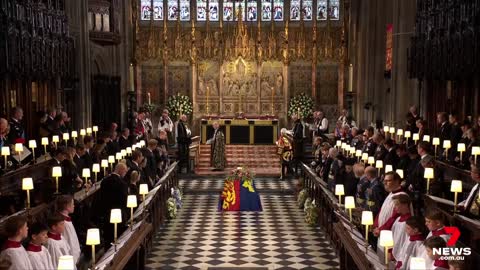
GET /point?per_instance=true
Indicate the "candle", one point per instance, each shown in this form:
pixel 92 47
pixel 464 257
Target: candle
pixel 273 95
pixel 132 76
pixel 350 78
pixel 208 94
pixel 149 100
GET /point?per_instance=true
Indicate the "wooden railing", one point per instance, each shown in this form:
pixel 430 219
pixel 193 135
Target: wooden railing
pixel 343 234
pixel 134 245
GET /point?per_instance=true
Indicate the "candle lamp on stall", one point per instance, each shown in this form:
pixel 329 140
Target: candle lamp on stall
pixel 367 220
pixel 104 165
pixel 74 136
pixel 456 187
pixel 111 161
pixel 86 175
pixel 56 173
pixel 371 161
pixel 447 145
pixel 32 144
pixel 115 218
pixel 379 166
pixel 118 156
pixel 93 239
pixel 95 130
pixel 83 132
pixel 96 170
pixel 131 203
pixel 358 154
pixel 436 143
pixel 461 149
pixel 386 129
pixel 408 135
pixel 66 262
pixel 388 168
pixel 143 190
pixel 392 132
pixel 350 204
pixel 129 151
pixel 416 137
pixel 386 241
pixel 339 191
pixel 399 172
pixel 124 153
pixel 19 150
pixel 429 175
pixel 364 157
pixel 55 140
pixel 27 185
pixel 475 153
pixel 45 143
pixel 66 137
pixel 426 138
pixel 89 131
pixel 399 134
pixel 5 154
pixel 338 144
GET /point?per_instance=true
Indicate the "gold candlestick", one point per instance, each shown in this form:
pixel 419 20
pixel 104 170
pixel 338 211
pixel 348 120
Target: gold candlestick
pixel 208 93
pixel 273 95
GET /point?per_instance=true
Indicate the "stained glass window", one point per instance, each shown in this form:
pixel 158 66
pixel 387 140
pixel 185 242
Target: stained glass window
pixel 322 10
pixel 145 10
pixel 228 10
pixel 252 10
pixel 158 10
pixel 213 10
pixel 278 10
pixel 239 9
pixel 201 10
pixel 307 10
pixel 295 10
pixel 266 10
pixel 334 9
pixel 172 10
pixel 184 10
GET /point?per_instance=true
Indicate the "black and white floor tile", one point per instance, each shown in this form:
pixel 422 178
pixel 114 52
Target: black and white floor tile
pixel 201 237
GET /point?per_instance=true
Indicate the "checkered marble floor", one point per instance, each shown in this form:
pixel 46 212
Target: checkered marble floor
pixel 201 237
pixel 202 185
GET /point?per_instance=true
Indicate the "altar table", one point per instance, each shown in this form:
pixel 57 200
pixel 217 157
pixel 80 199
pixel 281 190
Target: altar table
pixel 243 131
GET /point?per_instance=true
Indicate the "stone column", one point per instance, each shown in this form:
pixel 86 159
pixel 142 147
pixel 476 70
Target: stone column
pixel 78 26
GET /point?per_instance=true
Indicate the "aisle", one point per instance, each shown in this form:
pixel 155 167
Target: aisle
pixel 203 238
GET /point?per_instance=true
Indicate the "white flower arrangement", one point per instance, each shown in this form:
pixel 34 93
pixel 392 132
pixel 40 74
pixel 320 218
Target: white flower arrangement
pixel 179 104
pixel 302 104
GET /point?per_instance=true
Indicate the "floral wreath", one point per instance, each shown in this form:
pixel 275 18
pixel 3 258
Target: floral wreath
pixel 302 104
pixel 179 104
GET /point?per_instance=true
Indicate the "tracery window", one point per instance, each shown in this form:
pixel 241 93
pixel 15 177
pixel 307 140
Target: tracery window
pixel 201 10
pixel 252 10
pixel 145 10
pixel 278 10
pixel 213 10
pixel 307 10
pixel 266 10
pixel 239 9
pixel 228 10
pixel 172 10
pixel 158 10
pixel 295 10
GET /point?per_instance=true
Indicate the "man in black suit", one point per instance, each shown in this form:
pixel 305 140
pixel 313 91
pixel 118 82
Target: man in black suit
pixel 136 164
pixel 151 161
pixel 445 128
pixel 370 146
pixel 114 192
pixel 183 140
pixel 391 156
pixel 78 159
pixel 113 146
pixel 124 141
pixel 297 142
pixel 17 131
pixel 88 143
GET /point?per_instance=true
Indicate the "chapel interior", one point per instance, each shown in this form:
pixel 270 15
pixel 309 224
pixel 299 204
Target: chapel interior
pixel 239 134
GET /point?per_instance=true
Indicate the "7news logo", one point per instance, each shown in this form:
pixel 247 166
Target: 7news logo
pixel 451 252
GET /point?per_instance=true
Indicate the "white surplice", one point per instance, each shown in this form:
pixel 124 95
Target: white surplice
pixel 70 236
pixel 40 257
pixel 440 232
pixel 57 246
pixel 400 235
pixel 412 248
pixel 15 253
